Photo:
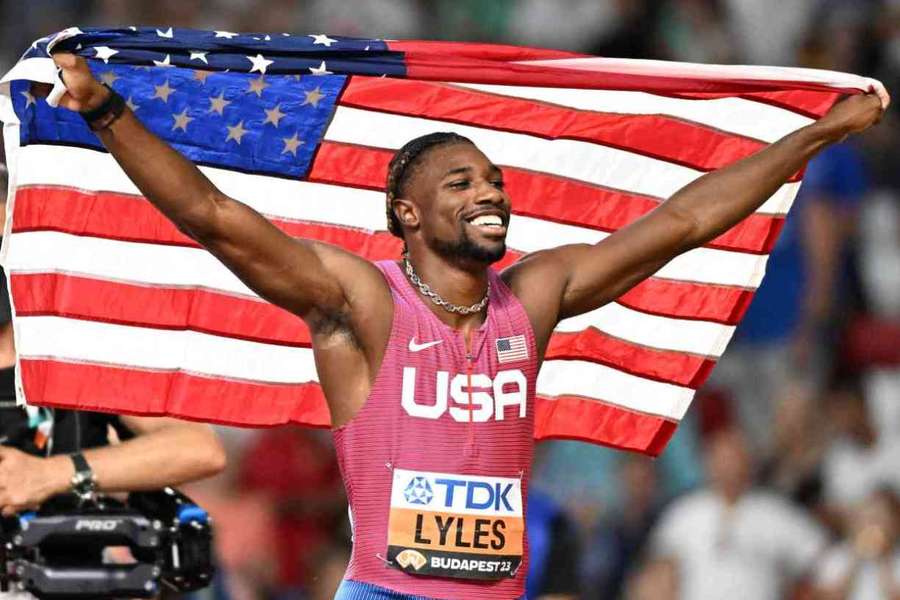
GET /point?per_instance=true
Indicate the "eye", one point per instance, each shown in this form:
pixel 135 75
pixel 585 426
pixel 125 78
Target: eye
pixel 459 184
pixel 499 184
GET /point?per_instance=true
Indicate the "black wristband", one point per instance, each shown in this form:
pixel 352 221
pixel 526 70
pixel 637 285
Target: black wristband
pixel 103 116
pixel 80 462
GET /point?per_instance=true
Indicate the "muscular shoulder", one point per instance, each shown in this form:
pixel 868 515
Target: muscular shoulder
pixel 538 280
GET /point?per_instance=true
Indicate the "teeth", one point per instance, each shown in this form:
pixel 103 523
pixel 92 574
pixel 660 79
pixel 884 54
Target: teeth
pixel 488 220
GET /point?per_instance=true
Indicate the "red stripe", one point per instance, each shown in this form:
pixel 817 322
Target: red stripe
pixel 424 63
pixel 134 391
pixel 679 368
pixel 574 418
pixel 206 311
pixel 145 392
pixel 542 196
pixel 494 52
pixel 669 298
pixel 123 217
pixel 674 140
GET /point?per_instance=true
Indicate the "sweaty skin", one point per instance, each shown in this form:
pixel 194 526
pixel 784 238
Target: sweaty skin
pixel 345 300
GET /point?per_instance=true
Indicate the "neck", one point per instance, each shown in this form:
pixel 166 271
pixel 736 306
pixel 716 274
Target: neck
pixel 463 285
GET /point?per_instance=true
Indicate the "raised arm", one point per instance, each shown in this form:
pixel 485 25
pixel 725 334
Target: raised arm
pixel 589 276
pixel 315 281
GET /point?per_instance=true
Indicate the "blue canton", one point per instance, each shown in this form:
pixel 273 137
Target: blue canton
pixel 257 103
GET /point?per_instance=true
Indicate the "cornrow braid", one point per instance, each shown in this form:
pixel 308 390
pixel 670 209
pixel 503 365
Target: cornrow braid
pixel 401 167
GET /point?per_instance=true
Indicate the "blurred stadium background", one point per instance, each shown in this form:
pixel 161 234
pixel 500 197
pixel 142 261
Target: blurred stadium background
pixel 783 481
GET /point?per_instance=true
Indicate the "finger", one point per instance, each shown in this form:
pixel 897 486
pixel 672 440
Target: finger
pixel 877 88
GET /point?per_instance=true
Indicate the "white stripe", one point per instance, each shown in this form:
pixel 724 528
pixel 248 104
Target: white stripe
pixel 697 337
pixel 582 378
pixel 50 251
pixel 364 209
pixel 74 339
pixel 583 161
pixel 734 115
pixel 701 265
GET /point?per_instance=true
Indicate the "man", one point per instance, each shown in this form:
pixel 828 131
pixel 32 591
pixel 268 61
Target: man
pixel 731 540
pixel 436 477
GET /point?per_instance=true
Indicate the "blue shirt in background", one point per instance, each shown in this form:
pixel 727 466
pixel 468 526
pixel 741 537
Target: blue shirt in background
pixel 837 176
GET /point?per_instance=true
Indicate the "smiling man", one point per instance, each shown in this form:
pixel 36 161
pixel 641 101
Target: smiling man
pixel 429 363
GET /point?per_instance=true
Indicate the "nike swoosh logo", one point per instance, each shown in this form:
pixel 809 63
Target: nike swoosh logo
pixel 414 347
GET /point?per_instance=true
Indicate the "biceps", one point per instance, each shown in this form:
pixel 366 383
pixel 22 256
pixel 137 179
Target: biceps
pixel 286 271
pixel 599 274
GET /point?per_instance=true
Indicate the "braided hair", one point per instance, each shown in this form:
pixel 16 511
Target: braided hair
pixel 402 167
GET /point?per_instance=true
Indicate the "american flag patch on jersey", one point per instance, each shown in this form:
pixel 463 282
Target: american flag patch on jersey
pixel 512 348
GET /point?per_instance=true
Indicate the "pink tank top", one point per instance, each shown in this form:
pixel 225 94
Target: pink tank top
pixel 436 464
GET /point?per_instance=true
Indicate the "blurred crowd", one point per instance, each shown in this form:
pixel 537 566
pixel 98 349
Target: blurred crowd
pixel 783 481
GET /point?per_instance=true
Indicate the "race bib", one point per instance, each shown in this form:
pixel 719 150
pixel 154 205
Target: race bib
pixel 463 526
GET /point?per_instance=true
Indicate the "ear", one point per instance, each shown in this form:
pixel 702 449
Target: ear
pixel 407 212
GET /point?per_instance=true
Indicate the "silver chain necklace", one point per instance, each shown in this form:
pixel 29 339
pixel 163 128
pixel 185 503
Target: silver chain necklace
pixel 436 298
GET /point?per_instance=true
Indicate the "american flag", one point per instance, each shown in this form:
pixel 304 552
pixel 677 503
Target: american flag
pixel 116 310
pixel 511 349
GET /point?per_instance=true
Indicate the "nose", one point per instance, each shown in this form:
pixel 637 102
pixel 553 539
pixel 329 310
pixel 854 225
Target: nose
pixel 488 193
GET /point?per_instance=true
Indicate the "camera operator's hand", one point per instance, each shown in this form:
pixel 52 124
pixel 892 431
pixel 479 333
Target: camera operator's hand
pixel 26 481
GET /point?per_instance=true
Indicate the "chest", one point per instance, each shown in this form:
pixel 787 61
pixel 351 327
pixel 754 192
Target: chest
pixel 480 376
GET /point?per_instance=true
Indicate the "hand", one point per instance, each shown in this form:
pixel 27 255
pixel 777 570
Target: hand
pixel 853 115
pixel 83 91
pixel 26 481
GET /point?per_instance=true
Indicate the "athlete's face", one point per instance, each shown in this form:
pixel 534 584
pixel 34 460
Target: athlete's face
pixel 463 211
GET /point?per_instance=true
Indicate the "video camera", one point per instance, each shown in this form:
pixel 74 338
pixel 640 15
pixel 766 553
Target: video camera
pixel 58 552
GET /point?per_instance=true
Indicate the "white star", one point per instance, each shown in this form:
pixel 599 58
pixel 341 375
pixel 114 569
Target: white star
pixel 218 104
pixel 274 115
pixel 291 144
pixel 197 55
pixel 165 34
pixel 163 91
pixel 201 75
pixel 104 53
pixel 322 39
pixel 225 34
pixel 130 104
pixel 167 62
pixel 313 97
pixel 236 133
pixel 29 99
pixel 181 121
pixel 268 38
pixel 320 70
pixel 109 78
pixel 257 86
pixel 132 27
pixel 259 63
